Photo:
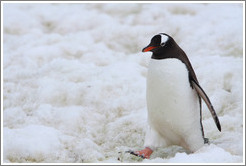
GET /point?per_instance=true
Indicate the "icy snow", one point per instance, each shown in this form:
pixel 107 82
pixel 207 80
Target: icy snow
pixel 74 79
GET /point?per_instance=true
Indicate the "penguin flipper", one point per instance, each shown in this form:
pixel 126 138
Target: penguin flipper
pixel 203 95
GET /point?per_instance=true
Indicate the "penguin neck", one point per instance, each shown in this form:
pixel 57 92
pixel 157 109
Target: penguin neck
pixel 157 56
pixel 168 52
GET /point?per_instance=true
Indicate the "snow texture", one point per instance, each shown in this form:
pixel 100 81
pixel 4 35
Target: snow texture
pixel 74 79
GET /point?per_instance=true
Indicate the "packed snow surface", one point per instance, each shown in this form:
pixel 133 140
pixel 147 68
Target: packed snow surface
pixel 74 79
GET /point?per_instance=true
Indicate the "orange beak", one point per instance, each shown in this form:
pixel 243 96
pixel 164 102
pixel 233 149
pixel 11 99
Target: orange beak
pixel 148 48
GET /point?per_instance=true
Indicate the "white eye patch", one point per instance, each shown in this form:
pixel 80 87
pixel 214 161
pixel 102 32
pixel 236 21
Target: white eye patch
pixel 164 38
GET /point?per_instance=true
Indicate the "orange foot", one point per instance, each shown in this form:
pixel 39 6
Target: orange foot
pixel 145 153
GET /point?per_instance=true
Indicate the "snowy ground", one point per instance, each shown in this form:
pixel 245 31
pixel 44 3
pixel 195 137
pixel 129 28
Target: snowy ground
pixel 74 79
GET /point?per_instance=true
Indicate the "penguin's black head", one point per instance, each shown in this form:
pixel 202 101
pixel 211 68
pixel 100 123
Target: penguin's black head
pixel 158 43
pixel 163 46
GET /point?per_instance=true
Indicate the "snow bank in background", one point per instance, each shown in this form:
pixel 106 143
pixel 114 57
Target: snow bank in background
pixel 75 78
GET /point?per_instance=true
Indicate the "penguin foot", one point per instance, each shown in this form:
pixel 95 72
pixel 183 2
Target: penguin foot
pixel 145 153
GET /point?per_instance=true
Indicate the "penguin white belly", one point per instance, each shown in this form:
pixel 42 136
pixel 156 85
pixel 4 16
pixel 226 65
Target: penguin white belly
pixel 173 106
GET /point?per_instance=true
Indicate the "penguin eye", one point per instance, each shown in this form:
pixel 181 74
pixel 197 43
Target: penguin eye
pixel 162 44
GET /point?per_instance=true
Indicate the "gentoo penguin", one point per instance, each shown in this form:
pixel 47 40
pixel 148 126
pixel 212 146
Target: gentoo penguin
pixel 173 99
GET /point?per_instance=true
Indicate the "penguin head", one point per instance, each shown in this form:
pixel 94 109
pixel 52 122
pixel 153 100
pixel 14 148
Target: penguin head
pixel 158 42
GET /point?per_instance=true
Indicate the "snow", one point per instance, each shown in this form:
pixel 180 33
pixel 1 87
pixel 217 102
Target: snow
pixel 74 79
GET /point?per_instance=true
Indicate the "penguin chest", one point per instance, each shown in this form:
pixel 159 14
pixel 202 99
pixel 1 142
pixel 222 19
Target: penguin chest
pixel 173 106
